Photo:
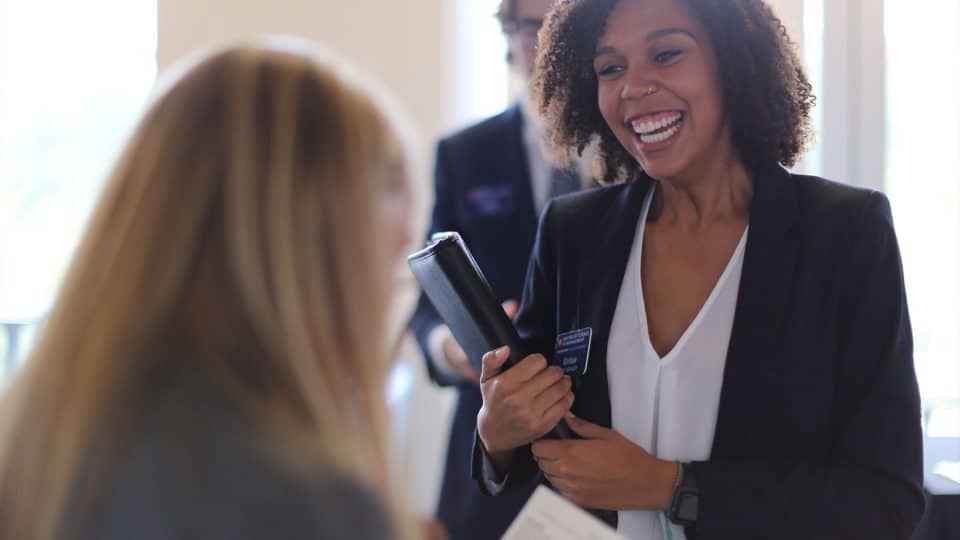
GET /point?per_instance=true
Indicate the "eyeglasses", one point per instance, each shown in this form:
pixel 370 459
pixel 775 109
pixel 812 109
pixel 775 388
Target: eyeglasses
pixel 524 28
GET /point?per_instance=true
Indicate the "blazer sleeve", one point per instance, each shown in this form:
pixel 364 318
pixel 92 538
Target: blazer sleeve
pixel 444 218
pixel 535 325
pixel 871 486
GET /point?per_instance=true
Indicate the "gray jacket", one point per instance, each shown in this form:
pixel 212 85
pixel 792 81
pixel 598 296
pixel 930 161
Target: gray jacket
pixel 193 469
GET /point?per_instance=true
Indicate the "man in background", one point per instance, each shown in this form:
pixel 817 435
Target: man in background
pixel 491 182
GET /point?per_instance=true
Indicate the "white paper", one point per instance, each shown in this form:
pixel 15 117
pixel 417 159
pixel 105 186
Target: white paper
pixel 944 479
pixel 548 516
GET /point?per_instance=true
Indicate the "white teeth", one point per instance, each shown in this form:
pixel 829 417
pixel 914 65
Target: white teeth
pixel 660 137
pixel 645 128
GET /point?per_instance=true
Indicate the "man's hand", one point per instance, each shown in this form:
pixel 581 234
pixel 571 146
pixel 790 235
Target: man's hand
pixel 431 529
pixel 457 358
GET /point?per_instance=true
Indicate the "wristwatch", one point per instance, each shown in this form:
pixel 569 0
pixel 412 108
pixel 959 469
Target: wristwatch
pixel 686 496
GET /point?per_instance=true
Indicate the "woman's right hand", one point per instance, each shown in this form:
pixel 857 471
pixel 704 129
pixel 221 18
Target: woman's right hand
pixel 521 404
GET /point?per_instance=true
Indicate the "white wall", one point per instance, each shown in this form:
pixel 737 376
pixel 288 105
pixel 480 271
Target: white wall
pixel 791 14
pixel 402 44
pixel 405 46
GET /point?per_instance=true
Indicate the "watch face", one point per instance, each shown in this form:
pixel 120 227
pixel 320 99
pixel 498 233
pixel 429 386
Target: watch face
pixel 687 507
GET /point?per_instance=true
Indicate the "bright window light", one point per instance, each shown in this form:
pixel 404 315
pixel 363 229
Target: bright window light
pixel 73 79
pixel 482 78
pixel 813 60
pixel 923 181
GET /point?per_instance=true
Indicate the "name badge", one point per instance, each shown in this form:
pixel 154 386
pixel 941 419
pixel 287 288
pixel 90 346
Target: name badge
pixel 491 200
pixel 572 352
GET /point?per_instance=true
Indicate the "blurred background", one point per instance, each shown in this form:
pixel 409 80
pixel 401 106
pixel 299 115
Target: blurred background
pixel 74 77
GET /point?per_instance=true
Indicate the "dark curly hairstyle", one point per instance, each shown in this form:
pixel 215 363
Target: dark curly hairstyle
pixel 766 93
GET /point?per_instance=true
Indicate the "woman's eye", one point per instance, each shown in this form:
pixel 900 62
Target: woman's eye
pixel 609 70
pixel 666 56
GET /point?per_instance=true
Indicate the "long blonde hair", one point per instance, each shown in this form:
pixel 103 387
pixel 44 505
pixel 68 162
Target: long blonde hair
pixel 238 234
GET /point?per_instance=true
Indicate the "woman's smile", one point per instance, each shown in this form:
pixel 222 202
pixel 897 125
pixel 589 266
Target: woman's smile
pixel 656 131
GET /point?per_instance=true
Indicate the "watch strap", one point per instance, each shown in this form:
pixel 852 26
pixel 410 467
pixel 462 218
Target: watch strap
pixel 685 500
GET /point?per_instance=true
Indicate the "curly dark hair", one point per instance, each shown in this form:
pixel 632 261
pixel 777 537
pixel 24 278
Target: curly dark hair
pixel 766 93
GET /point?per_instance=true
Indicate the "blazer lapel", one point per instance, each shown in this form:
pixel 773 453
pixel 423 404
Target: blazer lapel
pixel 599 289
pixel 765 285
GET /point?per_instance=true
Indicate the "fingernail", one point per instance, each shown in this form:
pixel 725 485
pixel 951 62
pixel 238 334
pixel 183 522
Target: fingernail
pixel 501 352
pixel 570 414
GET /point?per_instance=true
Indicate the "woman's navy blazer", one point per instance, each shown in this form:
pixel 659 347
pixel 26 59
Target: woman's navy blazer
pixel 818 431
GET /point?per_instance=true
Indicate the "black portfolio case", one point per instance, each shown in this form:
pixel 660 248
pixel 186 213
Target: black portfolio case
pixel 467 304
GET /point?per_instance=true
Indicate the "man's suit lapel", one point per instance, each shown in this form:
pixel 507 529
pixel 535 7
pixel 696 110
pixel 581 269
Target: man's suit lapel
pixel 749 385
pixel 599 289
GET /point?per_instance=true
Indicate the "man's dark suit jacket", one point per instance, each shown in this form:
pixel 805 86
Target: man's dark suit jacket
pixel 818 429
pixel 483 192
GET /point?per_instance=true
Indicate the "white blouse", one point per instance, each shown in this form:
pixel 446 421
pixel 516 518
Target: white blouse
pixel 668 405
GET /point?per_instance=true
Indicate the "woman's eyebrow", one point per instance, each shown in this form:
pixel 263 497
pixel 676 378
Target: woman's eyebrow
pixel 657 34
pixel 654 35
pixel 603 50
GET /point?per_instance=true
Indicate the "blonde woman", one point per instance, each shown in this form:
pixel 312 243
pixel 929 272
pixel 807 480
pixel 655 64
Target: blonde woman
pixel 213 365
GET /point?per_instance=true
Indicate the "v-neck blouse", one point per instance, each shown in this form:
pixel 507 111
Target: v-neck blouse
pixel 668 405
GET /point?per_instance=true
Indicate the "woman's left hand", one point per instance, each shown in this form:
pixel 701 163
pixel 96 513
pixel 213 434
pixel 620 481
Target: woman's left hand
pixel 605 470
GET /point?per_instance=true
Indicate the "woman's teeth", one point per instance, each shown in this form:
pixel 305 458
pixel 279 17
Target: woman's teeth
pixel 661 136
pixel 658 130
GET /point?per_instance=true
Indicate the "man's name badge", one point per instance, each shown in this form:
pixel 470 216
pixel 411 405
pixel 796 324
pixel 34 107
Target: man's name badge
pixel 572 351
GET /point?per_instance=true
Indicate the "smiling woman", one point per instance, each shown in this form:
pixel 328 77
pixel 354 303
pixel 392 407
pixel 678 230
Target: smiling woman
pixel 767 99
pixel 751 372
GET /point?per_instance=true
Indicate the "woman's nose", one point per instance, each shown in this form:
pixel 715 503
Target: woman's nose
pixel 639 88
